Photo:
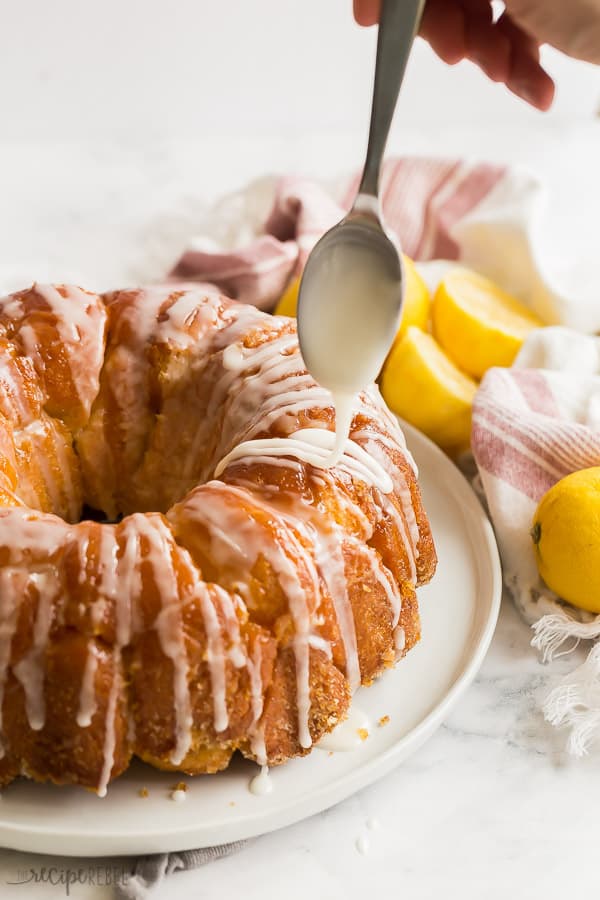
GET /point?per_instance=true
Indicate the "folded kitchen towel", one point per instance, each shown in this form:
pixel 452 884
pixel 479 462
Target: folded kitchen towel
pixel 487 216
pixel 422 200
pixel 532 425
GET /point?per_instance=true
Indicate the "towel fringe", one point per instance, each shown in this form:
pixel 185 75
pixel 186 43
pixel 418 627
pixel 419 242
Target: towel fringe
pixel 575 704
pixel 552 630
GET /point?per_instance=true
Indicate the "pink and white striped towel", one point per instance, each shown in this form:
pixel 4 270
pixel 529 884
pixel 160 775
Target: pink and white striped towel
pixel 423 200
pixel 490 217
pixel 532 425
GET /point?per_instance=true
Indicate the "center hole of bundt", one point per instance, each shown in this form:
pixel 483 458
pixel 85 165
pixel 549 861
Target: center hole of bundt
pixel 89 514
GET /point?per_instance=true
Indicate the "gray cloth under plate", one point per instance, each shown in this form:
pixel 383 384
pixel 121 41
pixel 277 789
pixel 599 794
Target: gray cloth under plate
pixel 149 871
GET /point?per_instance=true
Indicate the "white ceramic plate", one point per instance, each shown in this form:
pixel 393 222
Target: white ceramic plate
pixel 459 611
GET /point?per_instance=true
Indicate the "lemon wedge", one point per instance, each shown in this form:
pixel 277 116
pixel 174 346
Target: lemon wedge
pixel 422 385
pixel 477 323
pixel 288 302
pixel 417 300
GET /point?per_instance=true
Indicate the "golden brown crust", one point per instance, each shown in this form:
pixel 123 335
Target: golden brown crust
pixel 61 751
pixel 330 698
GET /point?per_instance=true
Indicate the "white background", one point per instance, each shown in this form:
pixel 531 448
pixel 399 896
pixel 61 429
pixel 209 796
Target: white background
pixel 146 69
pixel 120 119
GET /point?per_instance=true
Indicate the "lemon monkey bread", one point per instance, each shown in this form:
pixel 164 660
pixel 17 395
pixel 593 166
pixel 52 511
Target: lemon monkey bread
pixel 180 577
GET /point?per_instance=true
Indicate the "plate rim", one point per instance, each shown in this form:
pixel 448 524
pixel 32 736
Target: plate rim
pixel 41 839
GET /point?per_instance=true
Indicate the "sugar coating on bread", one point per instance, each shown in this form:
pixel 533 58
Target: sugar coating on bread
pixel 236 592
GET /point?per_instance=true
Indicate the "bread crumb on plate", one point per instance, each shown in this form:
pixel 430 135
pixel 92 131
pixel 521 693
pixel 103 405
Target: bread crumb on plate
pixel 180 786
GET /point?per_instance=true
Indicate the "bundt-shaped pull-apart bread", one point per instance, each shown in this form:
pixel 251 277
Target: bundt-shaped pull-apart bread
pixel 239 592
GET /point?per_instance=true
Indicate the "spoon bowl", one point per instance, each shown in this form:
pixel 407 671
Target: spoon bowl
pixel 350 297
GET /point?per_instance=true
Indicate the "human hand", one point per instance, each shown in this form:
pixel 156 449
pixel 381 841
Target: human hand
pixel 572 27
pixel 465 29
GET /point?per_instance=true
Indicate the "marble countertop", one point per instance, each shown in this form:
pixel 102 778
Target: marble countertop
pixel 491 805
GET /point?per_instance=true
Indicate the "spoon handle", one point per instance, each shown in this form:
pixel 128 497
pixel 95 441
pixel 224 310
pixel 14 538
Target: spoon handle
pixel 397 28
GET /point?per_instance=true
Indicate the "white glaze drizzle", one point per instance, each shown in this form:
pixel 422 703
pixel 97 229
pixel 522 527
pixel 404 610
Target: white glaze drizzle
pixel 257 736
pixel 215 656
pixel 108 583
pixel 110 734
pixel 262 783
pixel 327 539
pixel 146 324
pixel 87 694
pixel 23 531
pixel 69 318
pixel 381 574
pixel 35 434
pixel 130 578
pixel 392 441
pixel 388 583
pixel 224 519
pixel 49 455
pixel 324 534
pixel 15 405
pixel 389 507
pixel 363 844
pixel 344 415
pixel 82 546
pixel 269 383
pixel 31 345
pixel 313 446
pixel 288 573
pixel 169 625
pixel 409 529
pixel 123 629
pixel 192 310
pixel 239 359
pixel 30 670
pixel 13 584
pixel 399 641
pixel 345 736
pixel 275 383
pixel 320 643
pixel 403 493
pixel 79 318
pixel 235 651
pixel 329 546
pixel 66 467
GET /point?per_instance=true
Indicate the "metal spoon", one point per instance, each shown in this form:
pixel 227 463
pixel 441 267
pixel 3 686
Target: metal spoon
pixel 351 291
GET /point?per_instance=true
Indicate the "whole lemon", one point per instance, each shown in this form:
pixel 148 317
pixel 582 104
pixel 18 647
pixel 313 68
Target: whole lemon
pixel 566 538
